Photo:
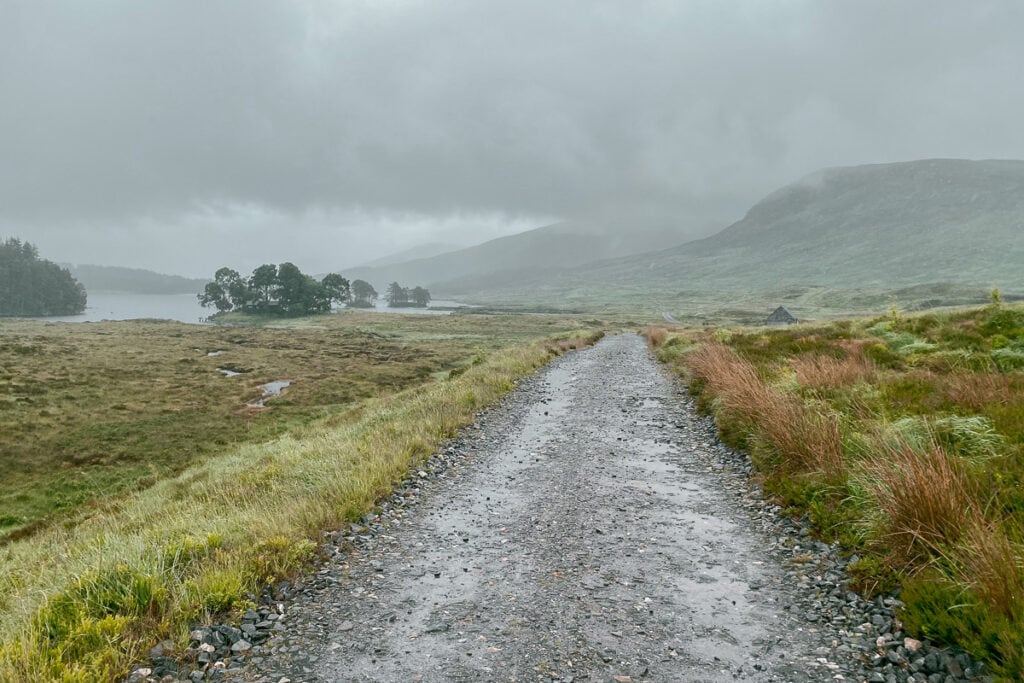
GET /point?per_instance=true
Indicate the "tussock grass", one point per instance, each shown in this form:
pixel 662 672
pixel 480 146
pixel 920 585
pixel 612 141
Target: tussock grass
pixel 903 438
pixel 656 336
pixel 805 440
pixel 925 497
pixel 976 391
pixel 826 372
pixel 82 601
pixel 991 566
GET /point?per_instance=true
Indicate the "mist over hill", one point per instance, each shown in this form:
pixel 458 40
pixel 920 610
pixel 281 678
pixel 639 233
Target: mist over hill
pixel 865 228
pixel 516 258
pixel 133 280
pixel 420 251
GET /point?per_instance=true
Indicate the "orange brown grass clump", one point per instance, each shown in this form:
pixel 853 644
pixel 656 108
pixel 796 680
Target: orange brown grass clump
pixel 927 499
pixel 656 336
pixel 825 372
pixel 808 440
pixel 976 391
pixel 990 564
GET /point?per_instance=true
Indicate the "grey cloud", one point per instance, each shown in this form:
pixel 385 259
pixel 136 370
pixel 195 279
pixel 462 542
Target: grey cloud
pixel 137 115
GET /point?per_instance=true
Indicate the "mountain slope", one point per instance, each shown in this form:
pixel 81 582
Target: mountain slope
pixel 525 255
pixel 420 251
pixel 133 280
pixel 882 226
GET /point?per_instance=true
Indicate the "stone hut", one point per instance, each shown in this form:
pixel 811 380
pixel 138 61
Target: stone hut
pixel 780 316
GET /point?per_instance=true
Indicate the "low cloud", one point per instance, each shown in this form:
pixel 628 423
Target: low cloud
pixel 163 133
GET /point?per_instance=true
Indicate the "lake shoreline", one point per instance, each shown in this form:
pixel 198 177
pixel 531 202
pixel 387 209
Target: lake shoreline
pixel 185 308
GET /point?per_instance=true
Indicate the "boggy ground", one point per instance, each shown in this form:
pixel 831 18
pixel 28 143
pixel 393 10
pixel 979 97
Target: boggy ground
pixel 586 536
pixel 89 411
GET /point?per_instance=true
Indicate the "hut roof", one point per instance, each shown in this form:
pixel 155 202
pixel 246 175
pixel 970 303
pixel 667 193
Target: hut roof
pixel 781 315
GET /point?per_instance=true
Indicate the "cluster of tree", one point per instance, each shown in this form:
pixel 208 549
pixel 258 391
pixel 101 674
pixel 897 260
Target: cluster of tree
pixel 401 297
pixel 363 295
pixel 274 290
pixel 31 286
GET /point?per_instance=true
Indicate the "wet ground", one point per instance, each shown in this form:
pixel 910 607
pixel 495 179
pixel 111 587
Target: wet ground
pixel 584 537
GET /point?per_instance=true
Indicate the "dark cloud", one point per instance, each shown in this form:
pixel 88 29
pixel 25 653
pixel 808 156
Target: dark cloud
pixel 187 125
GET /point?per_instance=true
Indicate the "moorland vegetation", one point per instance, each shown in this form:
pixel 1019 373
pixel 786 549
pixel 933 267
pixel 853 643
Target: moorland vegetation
pixel 146 495
pixel 902 438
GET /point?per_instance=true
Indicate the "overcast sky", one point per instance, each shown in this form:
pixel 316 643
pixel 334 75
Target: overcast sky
pixel 182 135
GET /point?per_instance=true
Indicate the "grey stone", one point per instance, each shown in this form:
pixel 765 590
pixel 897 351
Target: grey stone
pixel 241 645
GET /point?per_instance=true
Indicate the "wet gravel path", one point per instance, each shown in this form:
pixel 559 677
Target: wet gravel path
pixel 583 531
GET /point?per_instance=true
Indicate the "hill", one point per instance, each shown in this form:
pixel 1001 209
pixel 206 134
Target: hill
pixel 133 280
pixel 420 251
pixel 857 229
pixel 518 258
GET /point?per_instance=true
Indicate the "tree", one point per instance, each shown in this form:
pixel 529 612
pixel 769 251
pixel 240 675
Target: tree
pixel 31 286
pixel 363 294
pixel 292 292
pixel 234 286
pixel 397 295
pixel 421 296
pixel 274 290
pixel 337 287
pixel 263 286
pixel 215 295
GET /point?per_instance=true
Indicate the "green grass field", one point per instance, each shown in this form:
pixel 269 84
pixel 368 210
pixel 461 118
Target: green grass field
pixel 142 493
pixel 900 436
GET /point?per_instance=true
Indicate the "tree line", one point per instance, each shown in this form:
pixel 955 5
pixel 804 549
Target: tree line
pixel 274 290
pixel 284 290
pixel 401 297
pixel 32 286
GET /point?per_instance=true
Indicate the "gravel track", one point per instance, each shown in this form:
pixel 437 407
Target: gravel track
pixel 582 531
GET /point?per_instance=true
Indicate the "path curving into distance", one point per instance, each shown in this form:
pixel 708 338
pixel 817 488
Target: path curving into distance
pixel 584 536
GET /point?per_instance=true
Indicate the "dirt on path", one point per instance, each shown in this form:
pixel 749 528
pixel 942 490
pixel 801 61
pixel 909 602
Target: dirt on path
pixel 584 537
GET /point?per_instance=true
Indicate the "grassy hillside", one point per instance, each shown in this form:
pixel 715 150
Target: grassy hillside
pixel 856 231
pixel 175 500
pixel 133 280
pixel 420 251
pixel 902 437
pixel 519 258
